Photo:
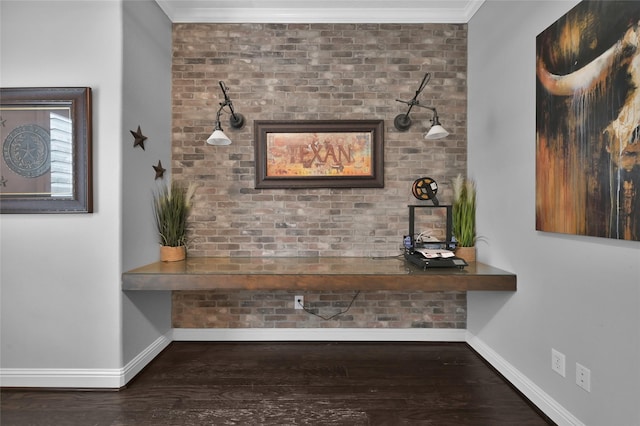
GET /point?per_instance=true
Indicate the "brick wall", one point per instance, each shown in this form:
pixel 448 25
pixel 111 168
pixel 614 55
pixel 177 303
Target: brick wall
pixel 380 309
pixel 313 72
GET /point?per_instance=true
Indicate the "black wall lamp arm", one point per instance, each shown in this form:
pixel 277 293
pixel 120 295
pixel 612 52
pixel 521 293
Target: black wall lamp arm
pixel 402 122
pixel 236 120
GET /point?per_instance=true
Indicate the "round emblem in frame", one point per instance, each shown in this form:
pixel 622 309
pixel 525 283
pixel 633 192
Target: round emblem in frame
pixel 26 150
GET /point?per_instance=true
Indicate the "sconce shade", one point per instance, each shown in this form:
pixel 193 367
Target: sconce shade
pixel 218 138
pixel 436 132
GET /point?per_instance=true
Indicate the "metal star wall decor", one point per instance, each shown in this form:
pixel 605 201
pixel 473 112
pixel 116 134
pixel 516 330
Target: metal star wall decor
pixel 159 170
pixel 139 138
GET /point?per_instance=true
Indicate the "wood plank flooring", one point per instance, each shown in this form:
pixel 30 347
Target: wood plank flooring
pixel 302 383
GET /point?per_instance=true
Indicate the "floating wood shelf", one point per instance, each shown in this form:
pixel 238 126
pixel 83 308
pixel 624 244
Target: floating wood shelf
pixel 313 273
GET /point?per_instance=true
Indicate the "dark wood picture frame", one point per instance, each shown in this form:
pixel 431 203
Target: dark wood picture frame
pixel 46 136
pixel 319 154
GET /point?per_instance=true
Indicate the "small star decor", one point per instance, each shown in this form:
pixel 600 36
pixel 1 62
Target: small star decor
pixel 159 170
pixel 139 138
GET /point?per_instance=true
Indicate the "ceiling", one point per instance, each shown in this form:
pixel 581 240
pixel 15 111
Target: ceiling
pixel 329 11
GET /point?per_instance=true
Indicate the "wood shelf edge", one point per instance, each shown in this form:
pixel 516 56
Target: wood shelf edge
pixel 175 278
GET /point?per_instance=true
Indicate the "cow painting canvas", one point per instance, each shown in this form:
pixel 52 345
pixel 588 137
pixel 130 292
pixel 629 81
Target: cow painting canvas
pixel 588 122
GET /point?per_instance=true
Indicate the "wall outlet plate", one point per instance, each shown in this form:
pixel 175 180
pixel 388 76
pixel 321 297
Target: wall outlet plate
pixel 558 362
pixel 583 377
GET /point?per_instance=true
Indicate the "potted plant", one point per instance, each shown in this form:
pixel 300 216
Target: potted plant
pixel 464 217
pixel 171 205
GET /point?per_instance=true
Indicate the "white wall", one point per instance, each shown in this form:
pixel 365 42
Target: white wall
pixel 63 313
pixel 579 295
pixel 146 103
pixel 60 285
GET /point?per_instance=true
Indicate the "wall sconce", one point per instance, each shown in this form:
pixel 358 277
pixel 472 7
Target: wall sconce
pixel 402 122
pixel 236 121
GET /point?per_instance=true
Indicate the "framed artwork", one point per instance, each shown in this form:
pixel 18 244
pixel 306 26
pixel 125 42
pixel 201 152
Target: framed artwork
pixel 319 154
pixel 588 122
pixel 46 150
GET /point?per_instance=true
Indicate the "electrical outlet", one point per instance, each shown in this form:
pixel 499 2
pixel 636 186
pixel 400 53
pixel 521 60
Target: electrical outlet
pixel 583 377
pixel 557 362
pixel 298 302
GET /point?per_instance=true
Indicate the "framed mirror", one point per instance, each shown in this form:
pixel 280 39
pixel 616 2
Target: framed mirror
pixel 46 164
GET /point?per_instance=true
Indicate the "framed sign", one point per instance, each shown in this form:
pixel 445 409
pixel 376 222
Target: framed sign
pixel 46 150
pixel 319 154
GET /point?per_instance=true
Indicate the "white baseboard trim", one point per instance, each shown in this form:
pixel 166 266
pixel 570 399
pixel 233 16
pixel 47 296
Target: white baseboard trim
pixel 136 365
pixel 82 378
pixel 536 395
pixel 320 334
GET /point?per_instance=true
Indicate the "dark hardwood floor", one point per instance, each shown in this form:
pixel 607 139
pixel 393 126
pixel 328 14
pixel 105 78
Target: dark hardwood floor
pixel 206 383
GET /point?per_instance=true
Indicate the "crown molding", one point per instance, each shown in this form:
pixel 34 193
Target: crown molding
pixel 301 11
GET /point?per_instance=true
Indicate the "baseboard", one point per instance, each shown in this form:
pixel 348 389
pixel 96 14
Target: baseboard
pixel 535 394
pixel 320 334
pixel 82 378
pixel 136 365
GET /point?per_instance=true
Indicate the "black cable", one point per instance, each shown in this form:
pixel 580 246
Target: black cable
pixel 399 256
pixel 332 316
